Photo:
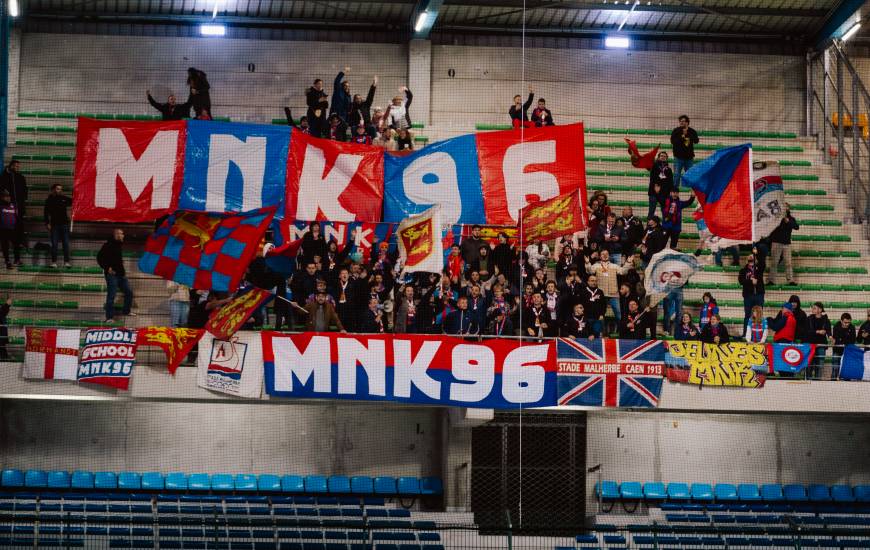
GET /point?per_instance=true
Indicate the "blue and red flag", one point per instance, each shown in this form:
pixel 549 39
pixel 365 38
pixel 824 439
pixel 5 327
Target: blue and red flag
pixel 789 357
pixel 723 184
pixel 610 373
pixel 204 250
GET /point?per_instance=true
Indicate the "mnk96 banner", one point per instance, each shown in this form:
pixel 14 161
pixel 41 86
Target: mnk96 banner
pixel 138 171
pixel 432 370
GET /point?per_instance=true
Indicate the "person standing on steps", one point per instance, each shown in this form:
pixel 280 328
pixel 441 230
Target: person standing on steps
pixel 111 259
pixel 683 140
pixel 57 223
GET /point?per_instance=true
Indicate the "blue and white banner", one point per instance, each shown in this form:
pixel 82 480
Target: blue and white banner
pixel 108 357
pixel 413 368
pixel 233 366
pixel 791 358
pixel 231 167
pixel 445 173
pixel 855 363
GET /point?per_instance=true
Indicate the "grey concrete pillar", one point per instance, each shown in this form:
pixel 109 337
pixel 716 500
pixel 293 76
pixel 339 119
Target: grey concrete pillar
pixel 420 79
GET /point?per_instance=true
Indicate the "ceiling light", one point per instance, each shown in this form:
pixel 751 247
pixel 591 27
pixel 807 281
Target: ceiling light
pixel 13 8
pixel 848 34
pixel 421 20
pixel 621 42
pixel 212 30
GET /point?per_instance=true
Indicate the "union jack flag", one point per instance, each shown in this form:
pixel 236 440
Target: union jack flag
pixel 610 373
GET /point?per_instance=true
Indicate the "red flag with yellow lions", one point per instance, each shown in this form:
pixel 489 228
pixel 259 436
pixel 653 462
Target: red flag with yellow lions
pixel 226 321
pixel 176 343
pixel 420 244
pixel 553 218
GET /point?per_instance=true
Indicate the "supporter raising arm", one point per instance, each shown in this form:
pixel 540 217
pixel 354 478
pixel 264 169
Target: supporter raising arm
pixel 341 98
pixel 361 109
pixel 519 112
pixel 200 97
pixel 171 110
pixel 398 115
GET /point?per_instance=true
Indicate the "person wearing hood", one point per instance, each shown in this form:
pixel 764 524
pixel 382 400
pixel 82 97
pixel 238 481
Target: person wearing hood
pixel 341 97
pixel 800 318
pixel 783 324
pixel 200 98
pixel 818 332
pixel 661 181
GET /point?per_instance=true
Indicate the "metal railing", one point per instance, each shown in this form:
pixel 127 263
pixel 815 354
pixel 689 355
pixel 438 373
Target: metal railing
pixel 837 99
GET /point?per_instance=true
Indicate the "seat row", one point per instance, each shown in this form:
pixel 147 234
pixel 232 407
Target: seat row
pixel 727 492
pixel 155 481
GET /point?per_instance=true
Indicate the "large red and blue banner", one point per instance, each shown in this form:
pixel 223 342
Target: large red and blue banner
pixel 610 373
pixel 424 369
pixel 138 171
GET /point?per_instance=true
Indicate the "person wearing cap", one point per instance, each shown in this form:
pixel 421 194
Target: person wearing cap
pixel 783 324
pixel 321 315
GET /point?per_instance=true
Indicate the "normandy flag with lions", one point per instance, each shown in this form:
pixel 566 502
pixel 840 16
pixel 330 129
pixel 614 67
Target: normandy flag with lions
pixel 420 243
pixel 553 218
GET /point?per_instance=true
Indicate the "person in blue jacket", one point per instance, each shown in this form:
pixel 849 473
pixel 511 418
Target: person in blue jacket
pixel 672 220
pixel 460 321
pixel 341 97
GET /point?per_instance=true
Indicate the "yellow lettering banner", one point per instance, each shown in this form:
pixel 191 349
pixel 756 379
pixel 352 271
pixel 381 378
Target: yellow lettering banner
pixel 734 364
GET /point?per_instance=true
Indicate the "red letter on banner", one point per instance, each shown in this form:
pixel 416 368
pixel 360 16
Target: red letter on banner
pixel 127 171
pixel 548 162
pixel 328 180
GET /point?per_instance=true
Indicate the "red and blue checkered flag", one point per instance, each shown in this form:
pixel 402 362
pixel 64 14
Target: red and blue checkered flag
pixel 204 250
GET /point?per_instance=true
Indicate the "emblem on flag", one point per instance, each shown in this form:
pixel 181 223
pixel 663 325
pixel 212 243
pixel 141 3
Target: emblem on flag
pixel 610 373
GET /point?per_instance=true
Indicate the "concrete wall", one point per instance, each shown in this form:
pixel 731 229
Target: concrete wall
pixel 75 72
pixel 352 439
pixel 728 448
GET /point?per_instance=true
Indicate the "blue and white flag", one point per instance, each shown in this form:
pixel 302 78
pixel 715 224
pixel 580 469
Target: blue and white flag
pixel 789 357
pixel 669 270
pixel 855 363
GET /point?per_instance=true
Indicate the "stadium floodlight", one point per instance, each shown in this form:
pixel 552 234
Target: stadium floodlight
pixel 851 32
pixel 621 42
pixel 13 8
pixel 212 30
pixel 421 20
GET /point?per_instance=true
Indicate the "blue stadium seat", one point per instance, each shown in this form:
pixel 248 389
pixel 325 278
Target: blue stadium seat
pixel 795 493
pixel 338 484
pixel 431 486
pixel 654 490
pixel 364 485
pixel 725 492
pixel 631 490
pixel 315 484
pixel 702 492
pixel 819 493
pixel 245 482
pixel 678 491
pixel 268 482
pixel 58 479
pixel 218 482
pixel 862 493
pixel 82 479
pixel 385 485
pixel 292 484
pixel 197 482
pixel 129 481
pixel 608 489
pixel 35 478
pixel 748 492
pixel 408 486
pixel 842 493
pixel 176 481
pixel 12 478
pixel 772 492
pixel 152 481
pixel 105 480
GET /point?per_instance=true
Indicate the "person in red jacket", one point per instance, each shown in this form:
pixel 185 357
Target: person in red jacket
pixel 784 324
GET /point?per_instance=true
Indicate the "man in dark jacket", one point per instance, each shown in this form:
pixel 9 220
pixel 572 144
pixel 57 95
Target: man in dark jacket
pixel 633 228
pixel 460 321
pixel 519 113
pixel 611 237
pixel 341 97
pixel 360 113
pixel 111 259
pixel 470 246
pixel 8 223
pixel 336 129
pixel 654 240
pixel 780 247
pixel 171 110
pixel 318 102
pixel 13 181
pixel 683 140
pixel 57 222
pixel 661 180
pixel 200 96
pixel 802 323
pixel 542 116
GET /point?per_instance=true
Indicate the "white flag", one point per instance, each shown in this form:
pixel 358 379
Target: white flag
pixel 233 366
pixel 51 353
